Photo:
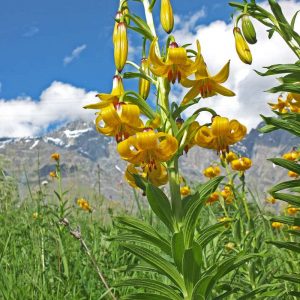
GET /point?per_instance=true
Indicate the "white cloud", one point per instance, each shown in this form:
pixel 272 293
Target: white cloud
pixel 217 44
pixel 59 102
pixel 33 30
pixel 75 54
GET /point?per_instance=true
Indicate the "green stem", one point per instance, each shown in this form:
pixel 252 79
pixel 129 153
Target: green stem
pixel 174 184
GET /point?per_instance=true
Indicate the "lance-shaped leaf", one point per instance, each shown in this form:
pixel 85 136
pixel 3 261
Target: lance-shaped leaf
pixel 152 285
pixel 286 220
pixel 287 164
pixel 293 246
pixel 163 266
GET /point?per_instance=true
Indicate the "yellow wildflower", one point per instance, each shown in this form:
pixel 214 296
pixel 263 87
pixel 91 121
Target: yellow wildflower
pixel 157 175
pixel 177 65
pixel 112 98
pixel 292 210
pixel 84 204
pixel 55 156
pixel 271 200
pixel 292 156
pixel 221 134
pixel 241 164
pixel 295 227
pixel 166 16
pixel 212 171
pixel 230 156
pixel 227 194
pixel 277 225
pixel 205 84
pixel 53 174
pixel 35 215
pixel 121 121
pixel 185 190
pixel 148 147
pixel 293 174
pixel 281 105
pixel 212 198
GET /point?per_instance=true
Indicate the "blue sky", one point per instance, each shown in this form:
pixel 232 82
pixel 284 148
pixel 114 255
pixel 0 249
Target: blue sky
pixel 56 55
pixel 37 35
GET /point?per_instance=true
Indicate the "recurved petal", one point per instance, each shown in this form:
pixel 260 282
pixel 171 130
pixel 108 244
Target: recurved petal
pixel 129 151
pixel 221 89
pixel 161 71
pixel 167 146
pixel 153 58
pixel 188 82
pixel 204 137
pixel 237 130
pixel 106 130
pixel 191 94
pixel 222 76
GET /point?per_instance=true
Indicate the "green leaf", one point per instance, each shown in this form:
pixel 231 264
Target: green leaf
pixel 291 199
pixel 131 75
pixel 284 185
pixel 160 205
pixel 226 266
pixel 261 289
pixel 206 238
pixel 291 126
pixel 267 128
pixel 201 287
pixel 162 265
pixel 289 277
pixel 286 245
pixel 191 267
pixel 286 220
pixel 287 164
pixel 144 231
pixel 144 296
pixel 178 249
pixel 194 207
pixel 153 285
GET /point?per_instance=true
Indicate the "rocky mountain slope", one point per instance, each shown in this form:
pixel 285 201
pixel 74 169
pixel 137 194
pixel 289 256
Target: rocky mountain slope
pixel 90 162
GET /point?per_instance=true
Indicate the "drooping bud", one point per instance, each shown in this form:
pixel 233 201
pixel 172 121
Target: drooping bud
pixel 144 84
pixel 242 47
pixel 120 46
pixel 248 30
pixel 166 16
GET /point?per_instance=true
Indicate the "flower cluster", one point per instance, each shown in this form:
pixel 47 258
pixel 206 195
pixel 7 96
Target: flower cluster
pixel 146 137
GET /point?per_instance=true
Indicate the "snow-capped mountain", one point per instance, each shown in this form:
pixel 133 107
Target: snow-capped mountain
pixel 90 161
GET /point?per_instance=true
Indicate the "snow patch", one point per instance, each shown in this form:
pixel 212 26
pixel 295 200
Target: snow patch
pixel 34 145
pixel 55 141
pixel 76 133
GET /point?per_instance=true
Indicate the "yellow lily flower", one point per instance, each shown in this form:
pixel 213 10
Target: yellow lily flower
pixel 281 105
pixel 148 147
pixel 84 204
pixel 241 164
pixel 212 172
pixel 293 174
pixel 157 176
pixel 177 65
pixel 293 101
pixel 221 134
pixel 292 210
pixel 121 121
pixel 112 98
pixel 205 84
pixel 166 16
pixel 185 190
pixel 227 194
pixel 292 156
pixel 214 197
pixel 277 225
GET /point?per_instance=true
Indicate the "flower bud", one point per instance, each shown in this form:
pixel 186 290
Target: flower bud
pixel 120 46
pixel 125 12
pixel 242 47
pixel 144 84
pixel 166 16
pixel 248 30
pixel 117 20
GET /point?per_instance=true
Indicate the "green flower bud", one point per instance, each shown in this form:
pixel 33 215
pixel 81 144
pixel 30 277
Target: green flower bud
pixel 248 30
